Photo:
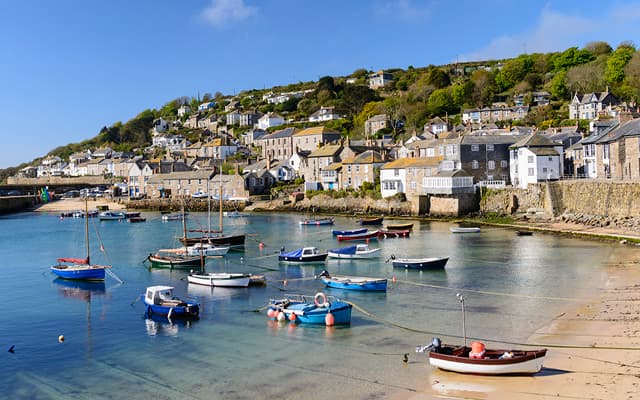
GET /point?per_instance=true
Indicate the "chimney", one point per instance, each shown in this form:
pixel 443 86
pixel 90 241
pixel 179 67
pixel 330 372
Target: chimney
pixel 624 116
pixel 268 163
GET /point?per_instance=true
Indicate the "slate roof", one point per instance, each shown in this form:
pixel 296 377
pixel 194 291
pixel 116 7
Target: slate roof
pixel 368 157
pixel 317 130
pixel 326 151
pixel 535 140
pixel 282 133
pixel 413 163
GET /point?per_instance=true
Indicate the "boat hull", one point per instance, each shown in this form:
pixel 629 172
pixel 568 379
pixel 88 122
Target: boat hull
pixel 464 230
pixel 174 262
pixel 420 263
pixel 233 241
pixel 318 258
pixel 322 221
pixel 523 362
pixel 371 221
pixel 337 232
pixel 220 279
pixel 358 237
pixel 356 283
pixel 353 252
pixel 186 311
pixel 310 313
pixel 399 227
pixel 79 272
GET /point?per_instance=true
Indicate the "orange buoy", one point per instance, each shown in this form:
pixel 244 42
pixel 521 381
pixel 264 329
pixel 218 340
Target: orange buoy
pixel 329 319
pixel 261 245
pixel 477 350
pixel 292 317
pixel 271 313
pixel 393 279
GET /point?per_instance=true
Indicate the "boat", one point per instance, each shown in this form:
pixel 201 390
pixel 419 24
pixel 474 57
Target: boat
pixel 319 309
pixel 399 227
pixel 173 216
pixel 219 279
pixel 303 255
pixel 80 268
pixel 385 234
pixel 232 214
pixel 419 263
pixel 137 219
pixel 318 221
pixel 337 232
pixel 207 250
pixel 524 233
pixel 111 215
pixel 177 257
pixel 461 229
pixel 160 301
pixel 367 235
pixel 371 221
pixel 353 282
pixel 356 251
pixel 131 214
pixel 477 359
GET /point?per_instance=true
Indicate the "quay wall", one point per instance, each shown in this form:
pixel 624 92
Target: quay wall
pixel 13 204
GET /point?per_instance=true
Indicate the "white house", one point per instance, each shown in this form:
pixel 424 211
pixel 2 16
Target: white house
pixel 324 114
pixel 535 159
pixel 184 110
pixel 270 120
pixel 159 126
pixel 393 178
pixel 207 105
pixel 138 177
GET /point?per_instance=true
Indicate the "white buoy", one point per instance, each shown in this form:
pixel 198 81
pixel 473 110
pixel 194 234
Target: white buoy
pixel 61 338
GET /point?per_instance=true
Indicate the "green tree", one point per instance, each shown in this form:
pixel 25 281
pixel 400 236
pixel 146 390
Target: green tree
pixel 438 78
pixel 461 93
pixel 441 102
pixel 484 87
pixel 586 78
pixel 614 71
pixel 354 97
pixel 570 57
pixel 558 86
pixel 513 72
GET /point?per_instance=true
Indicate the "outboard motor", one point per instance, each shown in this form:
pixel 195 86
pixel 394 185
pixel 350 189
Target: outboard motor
pixel 435 345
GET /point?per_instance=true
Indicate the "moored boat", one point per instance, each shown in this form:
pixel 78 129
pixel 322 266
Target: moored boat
pixel 111 215
pixel 399 227
pixel 336 232
pixel 479 360
pixel 524 233
pixel 168 258
pixel 319 309
pixel 368 235
pixel 317 221
pixel 160 301
pixel 356 251
pixel 303 255
pixel 371 221
pixel 385 234
pixel 419 263
pixel 462 229
pixel 223 279
pixel 353 282
pixel 207 250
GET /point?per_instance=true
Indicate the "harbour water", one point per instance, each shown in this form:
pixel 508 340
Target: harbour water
pixel 512 285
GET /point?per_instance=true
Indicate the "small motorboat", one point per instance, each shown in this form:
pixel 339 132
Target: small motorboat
pixel 479 360
pixel 223 279
pixel 353 282
pixel 319 309
pixel 371 221
pixel 111 215
pixel 524 233
pixel 357 251
pixel 461 229
pixel 317 221
pixel 160 301
pixel 387 234
pixel 399 227
pixel 419 263
pixel 207 250
pixel 137 219
pixel 174 216
pixel 337 232
pixel 303 255
pixel 366 236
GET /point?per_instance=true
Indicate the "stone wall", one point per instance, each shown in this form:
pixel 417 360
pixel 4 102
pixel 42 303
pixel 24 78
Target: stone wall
pixel 58 180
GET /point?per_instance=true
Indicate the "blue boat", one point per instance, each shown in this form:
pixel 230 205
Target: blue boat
pixel 353 282
pixel 319 310
pixel 337 232
pixel 356 251
pixel 303 255
pixel 160 301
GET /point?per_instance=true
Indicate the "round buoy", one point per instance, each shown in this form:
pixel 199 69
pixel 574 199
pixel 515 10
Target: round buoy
pixel 261 245
pixel 284 282
pixel 61 338
pixel 292 317
pixel 281 316
pixel 271 313
pixel 393 279
pixel 329 319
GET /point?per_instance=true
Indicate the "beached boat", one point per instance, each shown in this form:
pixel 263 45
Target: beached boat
pixel 320 309
pixel 399 227
pixel 386 234
pixel 337 232
pixel 524 233
pixel 461 229
pixel 479 360
pixel 366 236
pixel 353 282
pixel 160 301
pixel 419 263
pixel 303 255
pixel 361 250
pixel 219 279
pixel 371 221
pixel 111 215
pixel 80 268
pixel 317 221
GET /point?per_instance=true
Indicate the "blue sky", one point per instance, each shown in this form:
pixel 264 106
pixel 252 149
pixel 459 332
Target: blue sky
pixel 71 67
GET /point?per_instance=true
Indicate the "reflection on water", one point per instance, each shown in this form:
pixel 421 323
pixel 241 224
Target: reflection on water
pixel 157 325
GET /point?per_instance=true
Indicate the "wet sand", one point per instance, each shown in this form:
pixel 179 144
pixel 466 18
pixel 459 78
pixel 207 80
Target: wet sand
pixel 78 204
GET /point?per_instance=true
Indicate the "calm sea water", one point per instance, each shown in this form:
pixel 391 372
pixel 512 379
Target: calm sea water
pixel 512 286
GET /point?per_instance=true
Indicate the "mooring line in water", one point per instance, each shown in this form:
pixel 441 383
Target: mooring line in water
pixel 551 345
pixel 524 296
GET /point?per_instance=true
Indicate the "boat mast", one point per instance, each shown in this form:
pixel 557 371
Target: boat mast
pixel 220 196
pixel 86 228
pixel 464 329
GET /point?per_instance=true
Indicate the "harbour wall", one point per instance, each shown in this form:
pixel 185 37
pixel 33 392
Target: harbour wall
pixel 13 204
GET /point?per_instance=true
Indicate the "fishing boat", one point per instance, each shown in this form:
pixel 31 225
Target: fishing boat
pixel 319 309
pixel 353 282
pixel 131 214
pixel 111 215
pixel 317 221
pixel 399 227
pixel 136 219
pixel 160 301
pixel 367 235
pixel 219 279
pixel 524 233
pixel 419 263
pixel 80 268
pixel 336 232
pixel 356 251
pixel 303 255
pixel 371 221
pixel 207 250
pixel 477 359
pixel 176 257
pixel 461 229
pixel 386 234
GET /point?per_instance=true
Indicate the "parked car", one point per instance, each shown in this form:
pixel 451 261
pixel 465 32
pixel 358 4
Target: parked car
pixel 199 195
pixel 71 194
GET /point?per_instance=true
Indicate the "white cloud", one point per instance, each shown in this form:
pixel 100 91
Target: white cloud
pixel 222 12
pixel 401 9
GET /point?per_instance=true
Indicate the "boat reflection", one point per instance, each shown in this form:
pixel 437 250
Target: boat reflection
pixel 162 326
pixel 82 290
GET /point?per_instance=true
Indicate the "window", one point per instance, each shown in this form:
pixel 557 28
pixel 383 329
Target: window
pixel 475 147
pixel 357 169
pixel 549 159
pixel 414 185
pixel 489 147
pixel 441 150
pixel 504 164
pixel 544 170
pixel 366 169
pixel 531 172
pixel 389 185
pixel 431 152
pixel 396 172
pixel 474 164
pixel 348 169
pixel 530 159
pixel 491 165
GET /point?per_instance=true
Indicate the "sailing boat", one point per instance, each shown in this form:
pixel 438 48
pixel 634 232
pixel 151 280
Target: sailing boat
pixel 232 241
pixel 175 258
pixel 80 268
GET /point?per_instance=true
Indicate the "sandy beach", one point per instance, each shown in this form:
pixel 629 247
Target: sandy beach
pixel 594 347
